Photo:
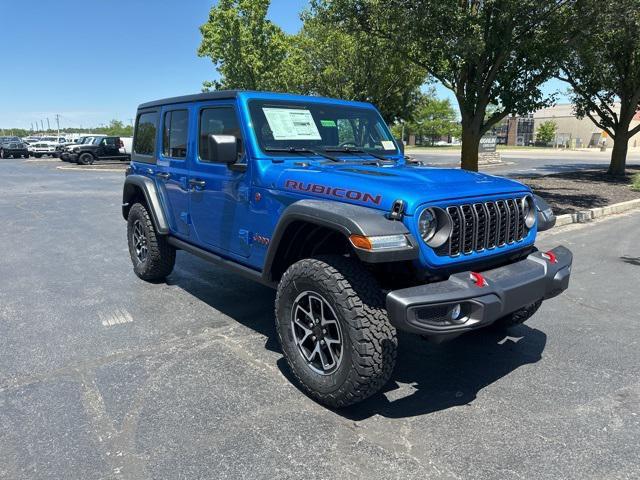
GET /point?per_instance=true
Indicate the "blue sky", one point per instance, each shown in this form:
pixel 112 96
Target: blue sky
pixel 90 62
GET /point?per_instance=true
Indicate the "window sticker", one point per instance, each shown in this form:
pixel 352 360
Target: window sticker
pixel 388 145
pixel 291 124
pixel 327 123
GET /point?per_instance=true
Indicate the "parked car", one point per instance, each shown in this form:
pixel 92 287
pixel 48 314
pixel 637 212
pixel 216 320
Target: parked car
pixel 40 149
pixel 13 149
pixel 67 150
pixel 98 148
pixel 313 197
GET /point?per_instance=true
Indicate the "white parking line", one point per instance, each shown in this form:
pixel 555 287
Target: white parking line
pixel 118 317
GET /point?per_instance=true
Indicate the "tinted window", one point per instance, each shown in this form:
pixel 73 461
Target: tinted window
pixel 145 134
pixel 217 121
pixel 174 134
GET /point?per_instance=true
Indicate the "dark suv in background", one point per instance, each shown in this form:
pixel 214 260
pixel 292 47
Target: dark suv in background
pixel 96 148
pixel 15 149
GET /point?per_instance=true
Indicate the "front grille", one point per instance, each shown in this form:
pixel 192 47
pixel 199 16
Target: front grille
pixel 483 226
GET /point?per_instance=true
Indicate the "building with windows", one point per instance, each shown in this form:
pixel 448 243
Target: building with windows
pixel 572 132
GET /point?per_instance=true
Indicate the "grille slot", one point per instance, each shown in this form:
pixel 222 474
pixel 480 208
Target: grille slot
pixel 484 226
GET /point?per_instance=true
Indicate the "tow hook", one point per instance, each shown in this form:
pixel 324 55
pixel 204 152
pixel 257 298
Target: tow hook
pixel 478 279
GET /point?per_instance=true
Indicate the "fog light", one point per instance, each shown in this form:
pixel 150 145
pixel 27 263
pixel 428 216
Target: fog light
pixel 456 311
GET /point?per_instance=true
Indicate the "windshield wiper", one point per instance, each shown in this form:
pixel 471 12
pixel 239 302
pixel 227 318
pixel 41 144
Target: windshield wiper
pixel 359 150
pixel 302 150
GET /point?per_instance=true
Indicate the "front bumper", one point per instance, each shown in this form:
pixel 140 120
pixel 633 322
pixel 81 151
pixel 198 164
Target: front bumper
pixel 427 309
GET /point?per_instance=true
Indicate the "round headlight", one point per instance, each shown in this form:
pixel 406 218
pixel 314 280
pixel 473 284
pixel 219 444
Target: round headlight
pixel 427 224
pixel 529 211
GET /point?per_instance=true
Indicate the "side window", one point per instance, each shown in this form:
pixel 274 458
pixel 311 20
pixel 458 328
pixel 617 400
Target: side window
pixel 109 142
pixel 174 134
pixel 217 121
pixel 144 142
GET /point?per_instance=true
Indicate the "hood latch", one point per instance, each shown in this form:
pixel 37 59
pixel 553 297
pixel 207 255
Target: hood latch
pixel 397 210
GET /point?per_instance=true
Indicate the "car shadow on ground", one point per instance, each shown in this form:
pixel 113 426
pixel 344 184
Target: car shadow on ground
pixel 244 301
pixel 432 377
pixel 428 377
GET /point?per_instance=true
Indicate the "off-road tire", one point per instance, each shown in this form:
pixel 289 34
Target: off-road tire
pixel 86 159
pixel 161 257
pixel 368 338
pixel 517 317
pixel 38 155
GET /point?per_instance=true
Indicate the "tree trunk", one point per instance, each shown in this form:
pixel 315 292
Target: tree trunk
pixel 618 164
pixel 470 146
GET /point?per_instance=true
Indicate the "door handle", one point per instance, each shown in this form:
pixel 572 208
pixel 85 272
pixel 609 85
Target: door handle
pixel 195 182
pixel 163 175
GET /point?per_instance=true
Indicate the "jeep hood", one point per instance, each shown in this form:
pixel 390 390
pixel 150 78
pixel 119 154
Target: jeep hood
pixel 379 187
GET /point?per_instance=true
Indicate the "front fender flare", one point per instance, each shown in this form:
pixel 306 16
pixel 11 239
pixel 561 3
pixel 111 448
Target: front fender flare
pixel 139 183
pixel 347 219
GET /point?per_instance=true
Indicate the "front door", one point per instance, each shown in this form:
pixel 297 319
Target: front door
pixel 109 147
pixel 219 196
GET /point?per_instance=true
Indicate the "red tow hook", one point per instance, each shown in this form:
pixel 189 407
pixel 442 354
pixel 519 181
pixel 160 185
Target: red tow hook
pixel 550 256
pixel 478 279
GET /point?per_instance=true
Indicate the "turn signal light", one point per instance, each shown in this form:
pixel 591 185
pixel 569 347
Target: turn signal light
pixel 382 242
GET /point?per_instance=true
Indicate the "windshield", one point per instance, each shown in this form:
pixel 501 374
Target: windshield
pixel 319 126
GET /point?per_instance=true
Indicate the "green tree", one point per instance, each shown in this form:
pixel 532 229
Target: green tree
pixel 353 66
pixel 247 49
pixel 486 52
pixel 546 132
pixel 250 52
pixel 115 128
pixel 603 70
pixel 434 118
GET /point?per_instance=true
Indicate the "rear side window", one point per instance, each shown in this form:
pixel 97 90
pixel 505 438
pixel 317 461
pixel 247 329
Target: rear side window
pixel 174 134
pixel 144 142
pixel 217 121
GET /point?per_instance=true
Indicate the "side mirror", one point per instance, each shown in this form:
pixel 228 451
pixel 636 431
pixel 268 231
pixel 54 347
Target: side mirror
pixel 400 145
pixel 546 218
pixel 223 148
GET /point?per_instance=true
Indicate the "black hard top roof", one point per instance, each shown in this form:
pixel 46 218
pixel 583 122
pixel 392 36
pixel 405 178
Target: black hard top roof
pixel 216 95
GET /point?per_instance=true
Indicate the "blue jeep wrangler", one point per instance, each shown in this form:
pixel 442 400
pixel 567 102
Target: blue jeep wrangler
pixel 314 197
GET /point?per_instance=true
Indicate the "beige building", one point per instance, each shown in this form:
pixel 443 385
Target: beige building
pixel 577 132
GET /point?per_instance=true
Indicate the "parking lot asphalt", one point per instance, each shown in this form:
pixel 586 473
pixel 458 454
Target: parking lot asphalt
pixel 105 376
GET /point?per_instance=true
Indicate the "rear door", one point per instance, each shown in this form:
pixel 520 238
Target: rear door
pixel 219 196
pixel 172 174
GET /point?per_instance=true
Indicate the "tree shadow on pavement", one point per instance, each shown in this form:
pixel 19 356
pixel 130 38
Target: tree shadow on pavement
pixel 432 377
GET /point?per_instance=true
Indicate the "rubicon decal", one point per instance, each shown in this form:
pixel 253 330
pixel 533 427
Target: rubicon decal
pixel 333 191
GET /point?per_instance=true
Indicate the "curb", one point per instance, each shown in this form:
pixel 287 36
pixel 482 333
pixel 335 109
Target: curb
pixel 585 216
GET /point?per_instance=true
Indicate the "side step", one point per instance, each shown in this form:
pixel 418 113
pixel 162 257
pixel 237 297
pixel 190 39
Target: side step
pixel 220 261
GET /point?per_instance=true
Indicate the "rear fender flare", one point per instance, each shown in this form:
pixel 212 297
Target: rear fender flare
pixel 135 184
